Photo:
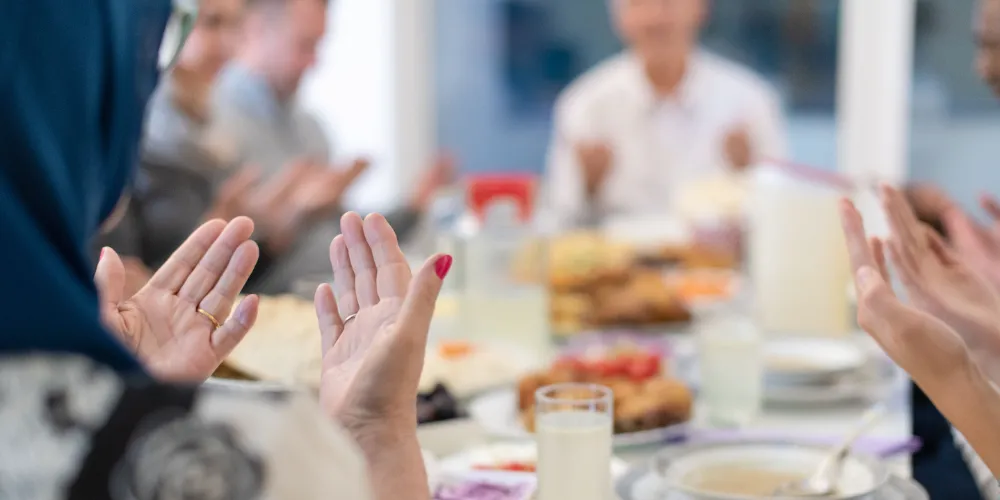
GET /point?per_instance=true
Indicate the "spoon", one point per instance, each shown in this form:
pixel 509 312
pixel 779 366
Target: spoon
pixel 823 481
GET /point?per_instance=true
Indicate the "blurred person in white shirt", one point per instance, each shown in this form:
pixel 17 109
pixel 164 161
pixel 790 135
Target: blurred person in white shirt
pixel 637 127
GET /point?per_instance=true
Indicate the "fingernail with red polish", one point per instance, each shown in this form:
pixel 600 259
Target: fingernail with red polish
pixel 443 265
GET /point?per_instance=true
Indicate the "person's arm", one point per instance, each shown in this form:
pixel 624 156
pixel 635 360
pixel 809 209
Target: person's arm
pixel 972 404
pixel 565 189
pixel 767 128
pixel 395 463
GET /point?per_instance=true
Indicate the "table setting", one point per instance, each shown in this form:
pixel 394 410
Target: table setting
pixel 623 364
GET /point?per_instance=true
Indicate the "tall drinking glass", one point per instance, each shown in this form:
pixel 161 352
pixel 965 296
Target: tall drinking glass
pixel 732 372
pixel 573 426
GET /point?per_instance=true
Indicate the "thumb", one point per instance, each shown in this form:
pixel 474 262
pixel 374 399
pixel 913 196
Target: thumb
pixel 991 206
pixel 872 289
pixel 960 228
pixel 418 306
pixel 110 281
pixel 110 277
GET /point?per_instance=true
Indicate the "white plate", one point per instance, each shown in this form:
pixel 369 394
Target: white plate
pixel 650 232
pixel 490 366
pixel 810 360
pixel 871 383
pixel 641 483
pixel 860 478
pixel 497 453
pixel 497 413
pixel 225 384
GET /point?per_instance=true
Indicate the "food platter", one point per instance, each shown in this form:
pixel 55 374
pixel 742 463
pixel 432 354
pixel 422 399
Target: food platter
pixel 650 406
pixel 597 283
pixel 497 413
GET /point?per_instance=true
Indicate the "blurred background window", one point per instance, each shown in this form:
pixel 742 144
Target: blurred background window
pixel 501 63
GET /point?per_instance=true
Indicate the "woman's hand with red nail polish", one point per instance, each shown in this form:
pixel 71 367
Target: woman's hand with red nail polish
pixel 374 322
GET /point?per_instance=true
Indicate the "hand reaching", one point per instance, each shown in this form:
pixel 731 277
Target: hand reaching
pixel 927 348
pixel 162 323
pixel 595 159
pixel 937 281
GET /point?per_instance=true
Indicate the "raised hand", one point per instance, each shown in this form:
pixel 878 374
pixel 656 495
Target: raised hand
pixel 937 280
pixel 171 322
pixel 374 323
pixel 979 246
pixel 926 347
pixel 375 331
pixel 325 188
pixel 232 199
pixel 439 175
pixel 274 210
pixel 595 159
pixel 737 148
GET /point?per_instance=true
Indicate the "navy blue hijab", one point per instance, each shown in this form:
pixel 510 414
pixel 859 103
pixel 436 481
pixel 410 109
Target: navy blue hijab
pixel 74 80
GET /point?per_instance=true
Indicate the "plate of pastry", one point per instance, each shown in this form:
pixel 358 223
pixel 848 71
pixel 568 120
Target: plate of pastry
pixel 649 406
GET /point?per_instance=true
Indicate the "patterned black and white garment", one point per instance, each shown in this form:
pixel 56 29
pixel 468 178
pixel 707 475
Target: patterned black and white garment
pixel 70 429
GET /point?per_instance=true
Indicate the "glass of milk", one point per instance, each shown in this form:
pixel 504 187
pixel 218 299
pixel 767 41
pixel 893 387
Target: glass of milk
pixel 573 427
pixel 731 368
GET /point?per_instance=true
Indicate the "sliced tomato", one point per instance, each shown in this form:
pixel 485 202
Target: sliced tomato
pixel 605 368
pixel 572 364
pixel 644 367
pixel 621 364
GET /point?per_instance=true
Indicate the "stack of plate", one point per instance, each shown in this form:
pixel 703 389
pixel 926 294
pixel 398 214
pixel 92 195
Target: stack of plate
pixel 805 371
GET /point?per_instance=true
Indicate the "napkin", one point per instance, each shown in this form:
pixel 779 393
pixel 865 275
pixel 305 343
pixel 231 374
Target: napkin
pixel 881 447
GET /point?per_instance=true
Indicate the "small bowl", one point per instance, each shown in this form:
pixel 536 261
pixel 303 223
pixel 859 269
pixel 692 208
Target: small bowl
pixel 680 469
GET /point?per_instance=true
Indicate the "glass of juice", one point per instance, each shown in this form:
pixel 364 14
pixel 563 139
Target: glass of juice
pixel 573 427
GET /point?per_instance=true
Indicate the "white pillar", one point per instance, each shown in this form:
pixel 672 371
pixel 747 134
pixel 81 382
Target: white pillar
pixel 413 80
pixel 874 78
pixel 372 89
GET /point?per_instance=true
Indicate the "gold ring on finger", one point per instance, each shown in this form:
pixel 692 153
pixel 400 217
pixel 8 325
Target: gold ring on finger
pixel 215 322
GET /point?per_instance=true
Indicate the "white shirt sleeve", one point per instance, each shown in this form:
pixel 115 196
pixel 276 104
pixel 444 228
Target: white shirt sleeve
pixel 564 183
pixel 767 129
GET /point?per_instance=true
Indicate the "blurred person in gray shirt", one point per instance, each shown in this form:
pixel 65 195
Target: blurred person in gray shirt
pixel 190 171
pixel 255 105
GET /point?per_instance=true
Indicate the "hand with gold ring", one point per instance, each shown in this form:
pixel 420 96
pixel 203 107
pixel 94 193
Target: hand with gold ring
pixel 374 322
pixel 179 324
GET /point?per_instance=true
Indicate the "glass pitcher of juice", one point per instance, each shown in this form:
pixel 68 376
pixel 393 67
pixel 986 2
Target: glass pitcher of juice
pixel 504 295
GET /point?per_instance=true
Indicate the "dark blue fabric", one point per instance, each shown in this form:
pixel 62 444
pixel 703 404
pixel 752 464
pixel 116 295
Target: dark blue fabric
pixel 74 80
pixel 939 465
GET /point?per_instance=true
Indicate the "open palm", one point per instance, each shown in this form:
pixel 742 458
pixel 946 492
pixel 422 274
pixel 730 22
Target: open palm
pixel 161 322
pixel 937 280
pixel 977 245
pixel 372 364
pixel 924 346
